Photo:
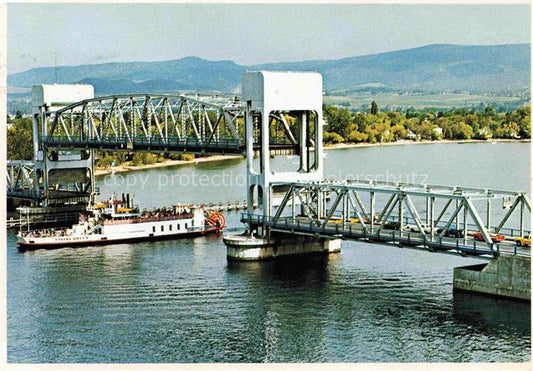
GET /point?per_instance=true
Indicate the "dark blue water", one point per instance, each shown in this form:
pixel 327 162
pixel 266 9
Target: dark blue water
pixel 181 301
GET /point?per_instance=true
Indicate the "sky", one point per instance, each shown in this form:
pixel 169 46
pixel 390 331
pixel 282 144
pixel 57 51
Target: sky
pixel 42 35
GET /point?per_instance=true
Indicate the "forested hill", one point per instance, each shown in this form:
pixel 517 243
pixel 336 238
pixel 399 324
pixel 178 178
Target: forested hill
pixel 130 77
pixel 439 67
pixel 429 68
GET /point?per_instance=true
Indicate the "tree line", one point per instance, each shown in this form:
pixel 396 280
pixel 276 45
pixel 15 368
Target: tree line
pixel 346 126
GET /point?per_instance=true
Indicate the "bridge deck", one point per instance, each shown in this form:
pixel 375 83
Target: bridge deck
pixel 354 231
pixel 55 196
pixel 146 144
pixel 159 144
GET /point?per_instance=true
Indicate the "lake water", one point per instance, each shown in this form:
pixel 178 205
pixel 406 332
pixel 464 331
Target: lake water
pixel 182 301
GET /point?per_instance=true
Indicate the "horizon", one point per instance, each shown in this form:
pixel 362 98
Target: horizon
pixel 67 35
pixel 258 64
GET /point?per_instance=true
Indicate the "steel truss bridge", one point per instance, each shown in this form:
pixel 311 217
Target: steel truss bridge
pixel 411 215
pixel 211 124
pixel 19 179
pixel 194 123
pixel 20 182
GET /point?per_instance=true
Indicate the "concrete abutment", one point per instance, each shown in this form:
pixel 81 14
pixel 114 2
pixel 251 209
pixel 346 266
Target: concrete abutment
pixel 506 276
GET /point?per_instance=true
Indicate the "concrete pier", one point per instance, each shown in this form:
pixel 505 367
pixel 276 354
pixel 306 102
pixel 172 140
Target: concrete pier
pixel 243 247
pixel 507 276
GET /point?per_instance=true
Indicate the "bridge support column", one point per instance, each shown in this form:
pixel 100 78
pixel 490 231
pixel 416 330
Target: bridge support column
pixel 506 276
pixel 253 248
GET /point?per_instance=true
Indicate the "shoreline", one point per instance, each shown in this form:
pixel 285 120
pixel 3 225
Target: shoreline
pixel 126 168
pixel 402 142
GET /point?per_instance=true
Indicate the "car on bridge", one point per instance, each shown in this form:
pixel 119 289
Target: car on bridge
pixel 523 241
pixel 478 236
pixel 452 232
pixel 392 225
pixel 414 228
pixel 365 219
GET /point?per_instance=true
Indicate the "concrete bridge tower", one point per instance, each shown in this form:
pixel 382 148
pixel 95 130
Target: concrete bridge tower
pixel 60 176
pixel 299 94
pixel 265 94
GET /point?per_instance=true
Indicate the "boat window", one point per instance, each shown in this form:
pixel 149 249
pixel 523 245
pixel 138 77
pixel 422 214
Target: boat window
pixel 185 225
pixel 178 227
pixel 153 228
pixel 170 227
pixel 162 228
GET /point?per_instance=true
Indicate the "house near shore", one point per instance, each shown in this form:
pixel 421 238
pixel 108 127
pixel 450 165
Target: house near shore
pixel 412 136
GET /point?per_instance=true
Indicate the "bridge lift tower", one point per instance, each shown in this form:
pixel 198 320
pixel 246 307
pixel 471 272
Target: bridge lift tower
pixel 60 176
pixel 298 95
pixel 295 94
pixel 59 183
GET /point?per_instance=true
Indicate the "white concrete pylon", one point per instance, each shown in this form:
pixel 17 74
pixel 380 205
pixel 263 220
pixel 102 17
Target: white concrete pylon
pixel 299 94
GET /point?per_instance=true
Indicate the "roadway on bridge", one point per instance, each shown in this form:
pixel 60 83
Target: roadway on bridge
pixel 355 231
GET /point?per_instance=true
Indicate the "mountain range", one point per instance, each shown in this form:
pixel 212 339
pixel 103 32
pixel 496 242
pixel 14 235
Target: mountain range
pixel 435 68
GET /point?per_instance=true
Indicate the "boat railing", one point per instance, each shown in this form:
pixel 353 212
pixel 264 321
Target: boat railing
pixel 51 232
pixel 148 219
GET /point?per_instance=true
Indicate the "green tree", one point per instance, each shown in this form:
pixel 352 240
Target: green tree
pixel 20 139
pixel 424 129
pixel 524 122
pixel 360 119
pixel 462 131
pixel 357 137
pixel 374 108
pixel 399 132
pixel 337 119
pixel 137 159
pixel 332 138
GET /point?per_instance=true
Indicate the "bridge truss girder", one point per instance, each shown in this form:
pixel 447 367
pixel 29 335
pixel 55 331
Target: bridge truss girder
pixel 433 210
pixel 130 121
pixel 20 179
pixel 137 122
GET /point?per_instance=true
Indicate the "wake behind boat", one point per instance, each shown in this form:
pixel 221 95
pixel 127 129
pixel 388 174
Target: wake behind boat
pixel 114 221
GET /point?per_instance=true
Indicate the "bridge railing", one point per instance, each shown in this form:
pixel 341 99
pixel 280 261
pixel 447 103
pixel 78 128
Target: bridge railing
pixel 506 231
pixel 24 193
pixel 140 142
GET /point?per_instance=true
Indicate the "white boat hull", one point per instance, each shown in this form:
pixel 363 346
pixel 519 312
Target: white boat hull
pixel 121 231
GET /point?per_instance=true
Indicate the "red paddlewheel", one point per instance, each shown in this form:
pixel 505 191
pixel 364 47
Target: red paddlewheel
pixel 215 218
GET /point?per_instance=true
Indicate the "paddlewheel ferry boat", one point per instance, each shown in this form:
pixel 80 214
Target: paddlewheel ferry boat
pixel 114 221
